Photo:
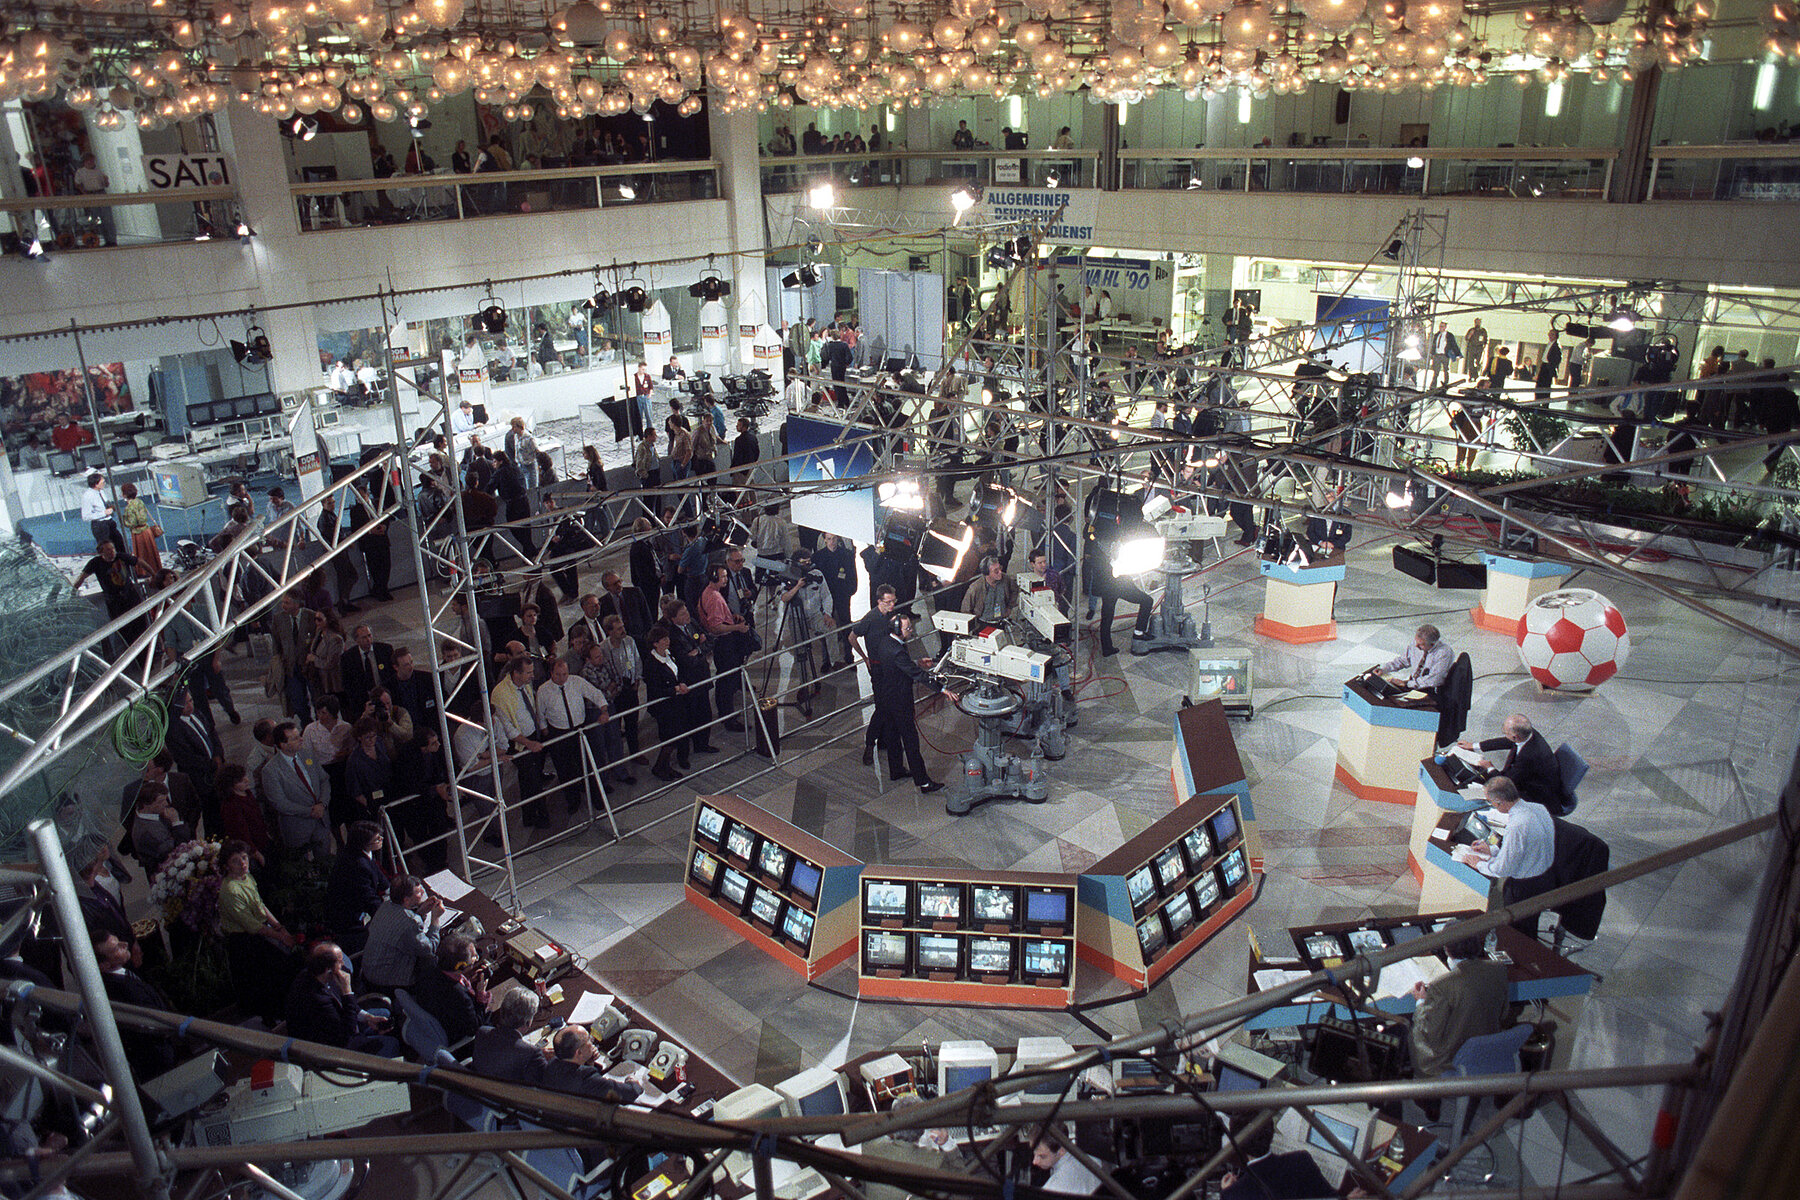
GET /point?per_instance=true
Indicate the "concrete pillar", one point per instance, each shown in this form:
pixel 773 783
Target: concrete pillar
pixel 734 144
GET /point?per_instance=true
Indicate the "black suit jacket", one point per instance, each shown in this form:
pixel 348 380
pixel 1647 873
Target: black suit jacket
pixel 1290 1176
pixel 630 606
pixel 448 1001
pixel 1534 768
pixel 318 1012
pixel 585 1079
pixel 149 1054
pixel 504 1055
pixel 357 684
pixel 356 889
pixel 194 757
pixel 745 449
pixel 105 916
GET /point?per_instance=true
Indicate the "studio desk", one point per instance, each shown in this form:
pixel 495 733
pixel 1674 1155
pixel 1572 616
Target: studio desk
pixel 1380 741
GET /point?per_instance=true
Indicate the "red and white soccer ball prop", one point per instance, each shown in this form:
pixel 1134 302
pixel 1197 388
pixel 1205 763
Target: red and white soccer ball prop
pixel 1573 639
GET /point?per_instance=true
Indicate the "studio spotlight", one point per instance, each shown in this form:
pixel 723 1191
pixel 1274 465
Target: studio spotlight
pixel 901 494
pixel 1000 506
pixel 963 199
pixel 1410 349
pixel 244 232
pixel 1400 497
pixel 807 276
pixel 1139 555
pixel 626 191
pixel 635 299
pixel 710 288
pixel 1581 330
pixel 599 302
pixel 943 547
pixel 491 318
pixel 254 350
pixel 1414 161
pixel 1195 183
pixel 821 196
pixel 1392 252
pixel 34 250
pixel 301 127
pixel 1622 320
pixel 1051 179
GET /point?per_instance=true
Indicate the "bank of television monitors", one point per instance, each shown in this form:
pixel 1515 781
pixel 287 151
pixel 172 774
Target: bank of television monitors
pixel 991 957
pixel 733 886
pixel 1198 847
pixel 1044 961
pixel 797 927
pixel 765 906
pixel 884 951
pixel 940 902
pixel 937 953
pixel 1048 911
pixel 740 842
pixel 994 906
pixel 710 824
pixel 772 861
pixel 886 902
pixel 705 870
pixel 1170 870
pixel 805 880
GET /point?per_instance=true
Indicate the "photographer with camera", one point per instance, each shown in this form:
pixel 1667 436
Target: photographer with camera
pixel 807 605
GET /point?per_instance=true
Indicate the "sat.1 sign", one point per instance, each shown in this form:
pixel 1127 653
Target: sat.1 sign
pixel 1573 639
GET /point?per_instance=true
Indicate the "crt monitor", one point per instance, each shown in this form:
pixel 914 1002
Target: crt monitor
pixel 937 952
pixel 805 879
pixel 199 414
pixel 1047 907
pixel 710 824
pixel 1179 912
pixel 62 462
pixel 994 904
pixel 765 906
pixel 1349 1124
pixel 1198 846
pixel 126 451
pixel 751 1103
pixel 885 899
pixel 797 926
pixel 991 956
pixel 940 902
pixel 705 869
pixel 1230 1079
pixel 884 950
pixel 1224 826
pixel 1245 1064
pixel 243 407
pixel 1151 936
pixel 1140 887
pixel 1046 959
pixel 1033 1054
pixel 1170 870
pixel 734 885
pixel 1233 868
pixel 965 1064
pixel 740 842
pixel 1206 891
pixel 93 458
pixel 772 860
pixel 814 1092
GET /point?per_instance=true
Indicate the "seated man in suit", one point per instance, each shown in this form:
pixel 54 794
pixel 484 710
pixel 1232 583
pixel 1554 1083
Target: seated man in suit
pixel 1533 766
pixel 356 887
pixel 403 935
pixel 574 1071
pixel 1468 1002
pixel 1265 1176
pixel 321 1006
pixel 149 1054
pixel 500 1051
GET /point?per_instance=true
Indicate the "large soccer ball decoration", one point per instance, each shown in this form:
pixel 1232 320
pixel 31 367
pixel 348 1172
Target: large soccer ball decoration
pixel 1573 638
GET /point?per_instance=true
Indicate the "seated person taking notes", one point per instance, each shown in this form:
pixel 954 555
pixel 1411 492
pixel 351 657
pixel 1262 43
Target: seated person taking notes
pixel 1533 764
pixel 1468 1002
pixel 1527 849
pixel 1426 663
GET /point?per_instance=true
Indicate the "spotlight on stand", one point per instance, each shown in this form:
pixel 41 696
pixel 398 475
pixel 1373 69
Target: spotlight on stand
pixel 1400 497
pixel 821 196
pixel 1410 349
pixel 34 250
pixel 244 232
pixel 964 198
pixel 491 318
pixel 635 299
pixel 1009 253
pixel 998 506
pixel 901 494
pixel 1622 320
pixel 626 191
pixel 943 547
pixel 806 276
pixel 710 288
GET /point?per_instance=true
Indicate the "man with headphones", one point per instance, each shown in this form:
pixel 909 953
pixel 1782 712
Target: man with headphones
pixel 994 595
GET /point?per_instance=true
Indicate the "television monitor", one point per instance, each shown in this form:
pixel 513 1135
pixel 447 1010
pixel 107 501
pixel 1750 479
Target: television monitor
pixel 93 458
pixel 1230 1079
pixel 991 956
pixel 1045 959
pixel 1179 913
pixel 1138 1073
pixel 126 450
pixel 224 410
pixel 1254 1065
pixel 1224 826
pixel 765 906
pixel 814 1092
pixel 1170 870
pixel 268 405
pixel 1233 868
pixel 710 824
pixel 1047 908
pixel 199 414
pixel 994 904
pixel 963 1064
pixel 705 869
pixel 733 885
pixel 805 879
pixel 883 950
pixel 1348 1124
pixel 1405 933
pixel 1140 887
pixel 1047 1087
pixel 1322 946
pixel 1151 935
pixel 937 952
pixel 1198 847
pixel 1366 941
pixel 885 899
pixel 62 462
pixel 243 407
pixel 797 926
pixel 1206 891
pixel 772 860
pixel 740 842
pixel 940 902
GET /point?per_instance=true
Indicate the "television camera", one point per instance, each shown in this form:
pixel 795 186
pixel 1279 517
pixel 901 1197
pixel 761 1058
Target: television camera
pixel 984 659
pixel 1173 628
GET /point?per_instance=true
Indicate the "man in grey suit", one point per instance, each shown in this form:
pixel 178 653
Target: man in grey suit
pixel 1468 1002
pixel 296 788
pixel 292 629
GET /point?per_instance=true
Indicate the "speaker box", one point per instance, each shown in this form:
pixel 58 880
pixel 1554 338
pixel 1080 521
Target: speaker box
pixel 1454 574
pixel 1341 112
pixel 1417 562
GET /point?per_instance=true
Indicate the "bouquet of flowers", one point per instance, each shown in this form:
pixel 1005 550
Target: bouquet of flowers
pixel 187 886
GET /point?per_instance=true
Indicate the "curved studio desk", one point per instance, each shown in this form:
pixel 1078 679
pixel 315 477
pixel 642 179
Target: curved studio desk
pixel 1381 741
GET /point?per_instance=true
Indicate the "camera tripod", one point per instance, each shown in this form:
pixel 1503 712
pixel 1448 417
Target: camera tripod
pixel 794 631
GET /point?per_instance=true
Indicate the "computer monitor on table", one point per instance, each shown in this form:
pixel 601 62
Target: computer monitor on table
pixel 814 1092
pixel 964 1064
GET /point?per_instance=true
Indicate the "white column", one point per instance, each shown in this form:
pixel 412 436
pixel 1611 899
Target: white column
pixel 734 144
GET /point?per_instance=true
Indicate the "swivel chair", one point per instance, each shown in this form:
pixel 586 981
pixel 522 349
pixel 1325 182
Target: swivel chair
pixel 1573 769
pixel 1490 1054
pixel 423 1033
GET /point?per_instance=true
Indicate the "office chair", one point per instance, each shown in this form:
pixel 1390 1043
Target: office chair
pixel 1454 699
pixel 1574 769
pixel 1490 1054
pixel 423 1033
pixel 1578 854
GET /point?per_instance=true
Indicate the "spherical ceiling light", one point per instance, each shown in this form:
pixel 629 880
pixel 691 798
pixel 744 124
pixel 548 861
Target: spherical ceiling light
pixel 1246 26
pixel 1430 18
pixel 580 24
pixel 1331 16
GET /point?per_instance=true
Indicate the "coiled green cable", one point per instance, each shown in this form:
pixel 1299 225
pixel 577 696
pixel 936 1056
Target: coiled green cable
pixel 138 732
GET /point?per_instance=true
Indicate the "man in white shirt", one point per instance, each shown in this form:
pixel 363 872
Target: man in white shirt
pixel 99 514
pixel 518 727
pixel 462 421
pixel 1527 849
pixel 569 702
pixel 1067 1173
pixel 342 379
pixel 1426 663
pixel 90 180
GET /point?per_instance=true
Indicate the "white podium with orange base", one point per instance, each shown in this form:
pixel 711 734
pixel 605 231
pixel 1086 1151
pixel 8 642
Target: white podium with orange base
pixel 1512 584
pixel 1298 600
pixel 1380 744
pixel 1444 884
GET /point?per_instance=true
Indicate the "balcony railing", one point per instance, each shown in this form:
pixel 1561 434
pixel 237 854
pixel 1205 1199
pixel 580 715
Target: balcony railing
pixel 896 168
pixel 1521 172
pixel 445 196
pixel 124 218
pixel 1750 171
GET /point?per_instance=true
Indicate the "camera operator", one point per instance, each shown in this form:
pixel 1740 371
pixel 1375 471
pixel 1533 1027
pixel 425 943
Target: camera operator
pixel 808 605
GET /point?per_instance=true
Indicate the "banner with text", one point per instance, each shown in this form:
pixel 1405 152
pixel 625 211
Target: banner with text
pixel 1074 227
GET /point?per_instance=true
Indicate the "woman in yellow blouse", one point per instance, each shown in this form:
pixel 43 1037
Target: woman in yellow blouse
pixel 258 947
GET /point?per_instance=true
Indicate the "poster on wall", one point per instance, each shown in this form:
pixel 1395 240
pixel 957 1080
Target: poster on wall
pixel 31 403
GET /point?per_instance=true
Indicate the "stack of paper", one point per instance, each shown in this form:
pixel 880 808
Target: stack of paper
pixel 449 885
pixel 1397 979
